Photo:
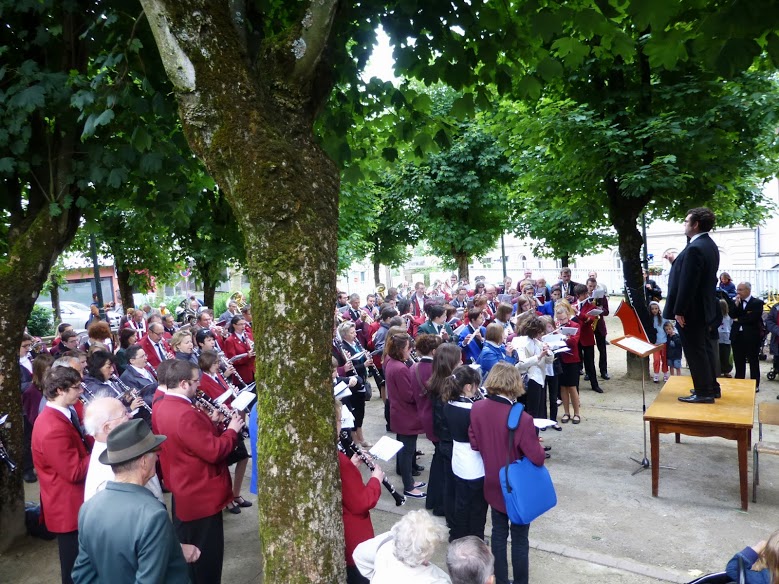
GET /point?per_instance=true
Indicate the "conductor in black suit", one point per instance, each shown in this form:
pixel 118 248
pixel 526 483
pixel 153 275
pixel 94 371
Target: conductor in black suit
pixel 745 333
pixel 693 304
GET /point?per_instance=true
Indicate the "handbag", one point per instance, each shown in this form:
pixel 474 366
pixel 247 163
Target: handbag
pixel 527 488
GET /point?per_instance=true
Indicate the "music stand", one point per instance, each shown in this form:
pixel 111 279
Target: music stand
pixel 636 342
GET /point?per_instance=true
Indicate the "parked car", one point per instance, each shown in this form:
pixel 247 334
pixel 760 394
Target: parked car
pixel 78 314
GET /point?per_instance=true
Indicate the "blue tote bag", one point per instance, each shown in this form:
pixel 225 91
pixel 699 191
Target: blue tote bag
pixel 527 488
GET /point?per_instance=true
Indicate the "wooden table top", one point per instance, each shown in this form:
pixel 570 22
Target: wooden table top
pixel 735 408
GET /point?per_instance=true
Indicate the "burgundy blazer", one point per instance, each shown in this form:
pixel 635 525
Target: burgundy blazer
pixel 194 458
pixel 572 342
pixel 245 365
pixel 358 500
pixel 62 460
pixel 151 350
pixel 586 334
pixel 420 374
pixel 404 416
pixel 489 435
pixel 212 389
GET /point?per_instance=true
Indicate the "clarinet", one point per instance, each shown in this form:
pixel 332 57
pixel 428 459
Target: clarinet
pixel 4 456
pixel 225 362
pixel 347 445
pixel 129 391
pixel 86 396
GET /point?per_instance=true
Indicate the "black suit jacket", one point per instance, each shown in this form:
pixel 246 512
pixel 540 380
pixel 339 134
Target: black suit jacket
pixel 692 283
pixel 746 320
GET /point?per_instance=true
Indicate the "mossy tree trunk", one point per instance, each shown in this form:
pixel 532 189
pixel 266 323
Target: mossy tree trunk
pixel 462 264
pixel 252 126
pixel 55 301
pixel 34 245
pixel 125 288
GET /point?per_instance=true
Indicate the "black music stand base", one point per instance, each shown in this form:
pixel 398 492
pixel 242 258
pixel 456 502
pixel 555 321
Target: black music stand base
pixel 644 463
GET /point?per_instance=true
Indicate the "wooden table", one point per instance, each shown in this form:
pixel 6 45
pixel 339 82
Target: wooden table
pixel 731 417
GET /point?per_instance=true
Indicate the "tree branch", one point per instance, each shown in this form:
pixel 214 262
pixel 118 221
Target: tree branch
pixel 310 45
pixel 180 69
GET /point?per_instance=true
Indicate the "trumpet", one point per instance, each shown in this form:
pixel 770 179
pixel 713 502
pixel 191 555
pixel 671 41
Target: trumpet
pixel 129 393
pixel 366 316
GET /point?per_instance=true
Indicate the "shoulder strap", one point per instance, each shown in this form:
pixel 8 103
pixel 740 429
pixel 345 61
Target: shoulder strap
pixel 515 414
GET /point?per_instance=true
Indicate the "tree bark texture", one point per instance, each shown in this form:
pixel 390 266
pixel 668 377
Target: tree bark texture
pixel 376 273
pixel 125 289
pixel 30 258
pixel 462 265
pixel 252 127
pixel 55 301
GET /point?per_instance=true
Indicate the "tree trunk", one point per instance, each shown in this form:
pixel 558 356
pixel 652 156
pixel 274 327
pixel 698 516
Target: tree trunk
pixel 565 260
pixel 125 289
pixel 252 126
pixel 55 301
pixel 376 273
pixel 624 214
pixel 462 265
pixel 209 293
pixel 31 256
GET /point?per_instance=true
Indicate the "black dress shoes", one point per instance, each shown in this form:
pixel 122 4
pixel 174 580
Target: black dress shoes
pixel 597 390
pixel 418 467
pixel 716 394
pixel 29 476
pixel 697 399
pixel 605 376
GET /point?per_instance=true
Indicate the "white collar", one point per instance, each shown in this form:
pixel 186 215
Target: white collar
pixel 64 411
pixel 143 372
pixel 697 235
pixel 173 394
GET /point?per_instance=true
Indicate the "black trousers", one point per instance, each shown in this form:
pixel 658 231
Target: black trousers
pixel 27 464
pixel 68 548
pixel 588 357
pixel 445 448
pixel 535 399
pixel 470 509
pixel 746 350
pixel 405 459
pixel 435 483
pixel 725 365
pixel 600 342
pixel 553 389
pixel 700 357
pixel 353 576
pixel 207 534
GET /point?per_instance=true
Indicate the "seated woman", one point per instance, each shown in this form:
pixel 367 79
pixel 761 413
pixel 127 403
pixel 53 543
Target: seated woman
pixel 138 375
pixel 403 554
pixel 494 349
pixel 726 285
pixel 99 334
pixel 127 338
pixel 239 346
pixel 183 346
pixel 98 382
pixel 764 555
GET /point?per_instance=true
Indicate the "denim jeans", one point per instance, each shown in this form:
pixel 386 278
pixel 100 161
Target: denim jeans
pixel 520 548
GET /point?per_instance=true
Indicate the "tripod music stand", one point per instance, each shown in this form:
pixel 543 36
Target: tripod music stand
pixel 638 344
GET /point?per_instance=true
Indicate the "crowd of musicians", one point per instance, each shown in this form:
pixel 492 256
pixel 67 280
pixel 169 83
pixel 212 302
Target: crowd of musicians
pixel 113 422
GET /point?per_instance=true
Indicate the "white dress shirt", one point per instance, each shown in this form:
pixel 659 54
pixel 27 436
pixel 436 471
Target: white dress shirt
pixel 98 474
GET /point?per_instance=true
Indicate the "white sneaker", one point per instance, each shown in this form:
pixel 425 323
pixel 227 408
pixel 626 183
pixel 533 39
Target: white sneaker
pixel 665 377
pixel 657 378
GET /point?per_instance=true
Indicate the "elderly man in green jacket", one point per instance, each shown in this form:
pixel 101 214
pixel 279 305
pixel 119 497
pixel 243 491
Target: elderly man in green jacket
pixel 125 534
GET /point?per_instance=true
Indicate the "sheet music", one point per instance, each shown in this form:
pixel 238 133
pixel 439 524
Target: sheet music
pixel 598 293
pixel 635 344
pixel 244 401
pixel 595 312
pixel 341 390
pixel 541 423
pixel 562 350
pixel 504 298
pixel 386 448
pixel 568 330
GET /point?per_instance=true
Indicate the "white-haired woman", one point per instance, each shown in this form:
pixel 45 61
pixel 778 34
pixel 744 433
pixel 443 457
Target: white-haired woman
pixel 403 554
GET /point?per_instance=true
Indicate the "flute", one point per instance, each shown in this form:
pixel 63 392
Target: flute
pixel 347 445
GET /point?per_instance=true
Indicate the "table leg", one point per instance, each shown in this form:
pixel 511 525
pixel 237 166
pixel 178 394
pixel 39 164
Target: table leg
pixel 654 442
pixel 678 438
pixel 743 449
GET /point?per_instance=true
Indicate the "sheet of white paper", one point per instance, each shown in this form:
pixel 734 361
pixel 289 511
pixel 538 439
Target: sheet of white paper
pixel 341 390
pixel 552 338
pixel 562 350
pixel 598 293
pixel 635 344
pixel 459 330
pixel 386 448
pixel 543 423
pixel 244 401
pixel 568 330
pixel 347 419
pixel 515 342
pixel 595 312
pixel 224 397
